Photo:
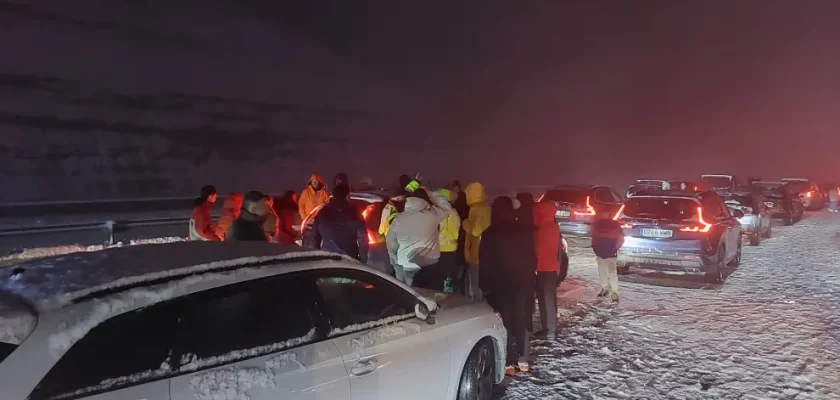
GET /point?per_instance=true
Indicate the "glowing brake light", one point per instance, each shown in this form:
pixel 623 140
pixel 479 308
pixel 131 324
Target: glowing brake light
pixel 367 211
pixel 618 214
pixel 808 195
pixel 589 209
pixel 372 239
pixel 703 227
pixel 541 198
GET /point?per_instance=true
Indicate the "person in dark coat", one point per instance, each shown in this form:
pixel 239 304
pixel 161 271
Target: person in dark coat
pixel 525 212
pixel 340 178
pixel 340 228
pixel 463 210
pixel 249 225
pixel 287 212
pixel 508 263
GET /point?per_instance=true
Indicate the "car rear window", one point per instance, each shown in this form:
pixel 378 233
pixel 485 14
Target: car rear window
pixel 718 181
pixel 661 208
pixel 799 187
pixel 574 196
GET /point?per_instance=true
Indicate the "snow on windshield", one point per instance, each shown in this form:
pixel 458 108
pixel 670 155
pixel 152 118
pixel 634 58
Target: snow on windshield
pixel 16 323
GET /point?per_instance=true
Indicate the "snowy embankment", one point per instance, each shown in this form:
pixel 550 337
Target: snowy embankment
pixel 62 250
pixel 772 331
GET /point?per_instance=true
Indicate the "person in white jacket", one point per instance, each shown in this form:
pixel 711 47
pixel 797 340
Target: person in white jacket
pixel 412 240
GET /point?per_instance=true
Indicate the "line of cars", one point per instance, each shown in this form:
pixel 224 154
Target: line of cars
pixel 686 227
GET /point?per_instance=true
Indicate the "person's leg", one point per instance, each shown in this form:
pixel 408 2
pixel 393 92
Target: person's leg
pixel 523 337
pixel 399 273
pixel 507 309
pixel 475 291
pixel 547 290
pixel 603 276
pixel 613 277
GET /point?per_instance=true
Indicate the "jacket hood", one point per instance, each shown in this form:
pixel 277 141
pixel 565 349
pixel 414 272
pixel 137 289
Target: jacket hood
pixel 544 214
pixel 415 204
pixel 475 193
pixel 317 178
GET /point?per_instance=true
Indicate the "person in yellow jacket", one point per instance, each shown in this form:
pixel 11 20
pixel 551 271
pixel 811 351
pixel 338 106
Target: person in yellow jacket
pixel 474 226
pixel 449 229
pixel 312 196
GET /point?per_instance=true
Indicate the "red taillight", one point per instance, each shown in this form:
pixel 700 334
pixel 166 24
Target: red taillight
pixel 808 195
pixel 626 226
pixel 589 209
pixel 541 198
pixel 618 214
pixel 695 188
pixel 703 227
pixel 372 238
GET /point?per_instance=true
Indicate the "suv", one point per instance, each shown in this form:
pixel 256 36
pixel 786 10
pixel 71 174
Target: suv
pixel 811 196
pixel 756 222
pixel 680 232
pixel 780 201
pixel 578 206
pixel 243 320
pixel 370 205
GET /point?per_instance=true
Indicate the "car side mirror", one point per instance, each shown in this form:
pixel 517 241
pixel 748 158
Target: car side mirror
pixel 738 213
pixel 421 311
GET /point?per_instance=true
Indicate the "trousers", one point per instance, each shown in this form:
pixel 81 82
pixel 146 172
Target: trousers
pixel 608 274
pixel 547 296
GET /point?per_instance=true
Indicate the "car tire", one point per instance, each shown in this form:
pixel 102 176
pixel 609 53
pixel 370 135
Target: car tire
pixel 768 233
pixel 563 272
pixel 789 219
pixel 736 261
pixel 755 240
pixel 719 274
pixel 479 373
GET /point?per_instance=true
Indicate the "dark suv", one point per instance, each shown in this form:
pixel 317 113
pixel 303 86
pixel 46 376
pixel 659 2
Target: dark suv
pixel 578 206
pixel 780 200
pixel 680 232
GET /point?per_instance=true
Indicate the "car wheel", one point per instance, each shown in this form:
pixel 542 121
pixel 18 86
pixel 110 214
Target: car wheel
pixel 563 272
pixel 768 233
pixel 755 240
pixel 719 274
pixel 479 373
pixel 736 261
pixel 789 219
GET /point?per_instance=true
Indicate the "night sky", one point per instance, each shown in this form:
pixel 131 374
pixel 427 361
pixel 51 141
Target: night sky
pixel 551 91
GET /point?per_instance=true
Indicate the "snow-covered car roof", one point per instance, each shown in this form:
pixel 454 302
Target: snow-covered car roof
pixel 53 282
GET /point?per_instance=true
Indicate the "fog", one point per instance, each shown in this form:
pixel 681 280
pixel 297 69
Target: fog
pixel 249 94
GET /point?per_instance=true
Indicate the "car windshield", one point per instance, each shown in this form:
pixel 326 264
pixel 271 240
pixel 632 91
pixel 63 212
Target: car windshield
pixel 775 191
pixel 675 209
pixel 718 181
pixel 574 196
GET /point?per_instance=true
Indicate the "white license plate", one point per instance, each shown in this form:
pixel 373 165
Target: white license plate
pixel 564 213
pixel 657 233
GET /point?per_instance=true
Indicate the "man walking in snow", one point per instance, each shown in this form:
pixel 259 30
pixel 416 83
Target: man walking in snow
pixel 607 238
pixel 833 195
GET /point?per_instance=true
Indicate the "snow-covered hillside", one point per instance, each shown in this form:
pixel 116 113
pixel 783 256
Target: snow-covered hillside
pixel 772 331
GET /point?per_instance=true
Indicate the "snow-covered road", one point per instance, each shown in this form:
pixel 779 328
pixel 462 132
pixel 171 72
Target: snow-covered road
pixel 772 331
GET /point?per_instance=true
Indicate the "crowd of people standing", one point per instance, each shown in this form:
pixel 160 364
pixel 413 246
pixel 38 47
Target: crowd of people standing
pixel 506 253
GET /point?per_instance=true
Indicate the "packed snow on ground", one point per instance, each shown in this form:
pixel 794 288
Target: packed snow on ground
pixel 772 331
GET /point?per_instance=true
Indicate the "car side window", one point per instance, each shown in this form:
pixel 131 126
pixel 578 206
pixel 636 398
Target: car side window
pixel 247 320
pixel 354 300
pixel 603 195
pixel 126 350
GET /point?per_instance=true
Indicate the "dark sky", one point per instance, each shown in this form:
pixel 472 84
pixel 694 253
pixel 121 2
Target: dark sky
pixel 553 91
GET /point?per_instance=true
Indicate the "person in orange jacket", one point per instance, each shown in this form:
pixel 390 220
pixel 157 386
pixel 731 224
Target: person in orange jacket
pixel 547 243
pixel 312 196
pixel 230 212
pixel 201 223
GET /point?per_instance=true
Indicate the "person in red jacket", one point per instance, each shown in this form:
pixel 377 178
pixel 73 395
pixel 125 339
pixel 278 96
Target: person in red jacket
pixel 201 223
pixel 287 211
pixel 230 212
pixel 547 239
pixel 607 238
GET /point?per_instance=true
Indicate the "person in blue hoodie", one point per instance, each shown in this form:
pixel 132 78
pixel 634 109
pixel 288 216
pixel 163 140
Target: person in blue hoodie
pixel 607 238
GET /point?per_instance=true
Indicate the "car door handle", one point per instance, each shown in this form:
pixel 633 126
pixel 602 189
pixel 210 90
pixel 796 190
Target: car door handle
pixel 364 367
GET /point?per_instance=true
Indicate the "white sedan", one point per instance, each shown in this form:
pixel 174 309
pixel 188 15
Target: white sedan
pixel 246 320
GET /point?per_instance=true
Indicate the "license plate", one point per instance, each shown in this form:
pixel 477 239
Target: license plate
pixel 657 233
pixel 564 213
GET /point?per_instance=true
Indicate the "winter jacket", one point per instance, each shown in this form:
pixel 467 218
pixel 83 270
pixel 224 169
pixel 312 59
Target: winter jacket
pixel 449 228
pixel 248 227
pixel 286 227
pixel 311 198
pixel 271 224
pixel 508 261
pixel 833 194
pixel 477 221
pixel 201 223
pixel 388 214
pixel 607 238
pixel 340 228
pixel 413 240
pixel 230 212
pixel 547 238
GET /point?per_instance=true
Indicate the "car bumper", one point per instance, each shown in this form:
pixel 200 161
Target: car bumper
pixel 678 256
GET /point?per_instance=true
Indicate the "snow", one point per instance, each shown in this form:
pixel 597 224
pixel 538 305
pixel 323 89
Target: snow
pixel 40 252
pixel 56 282
pixel 194 363
pixel 164 369
pixel 15 324
pixel 230 383
pixel 772 331
pixel 369 325
pixel 381 335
